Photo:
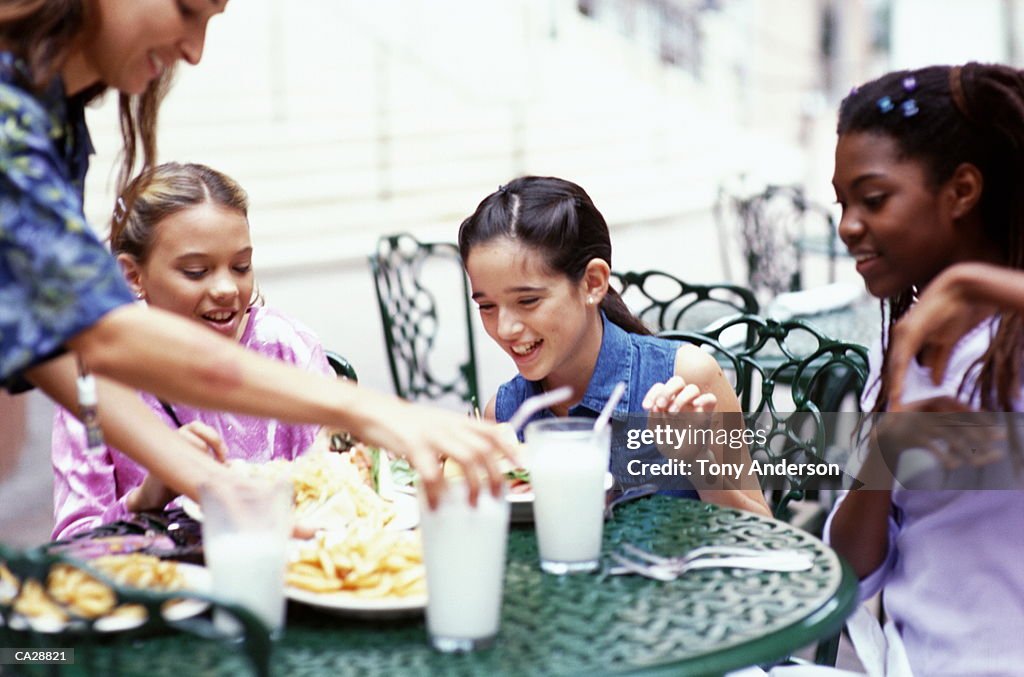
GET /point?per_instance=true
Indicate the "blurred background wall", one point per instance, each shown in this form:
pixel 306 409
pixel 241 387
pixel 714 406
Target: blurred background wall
pixel 347 119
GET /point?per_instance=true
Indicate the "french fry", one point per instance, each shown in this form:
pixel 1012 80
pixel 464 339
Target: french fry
pixel 366 563
pixel 312 582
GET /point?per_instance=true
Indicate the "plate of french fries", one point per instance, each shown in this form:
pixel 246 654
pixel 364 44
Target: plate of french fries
pixel 72 598
pixel 359 572
pixel 331 491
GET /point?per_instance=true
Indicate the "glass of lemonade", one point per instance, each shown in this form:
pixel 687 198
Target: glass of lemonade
pixel 464 553
pixel 567 463
pixel 246 527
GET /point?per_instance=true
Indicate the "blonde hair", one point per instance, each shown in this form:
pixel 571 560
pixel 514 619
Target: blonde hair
pixel 163 191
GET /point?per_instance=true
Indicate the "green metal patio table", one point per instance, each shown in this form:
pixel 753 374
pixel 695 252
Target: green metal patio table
pixel 704 623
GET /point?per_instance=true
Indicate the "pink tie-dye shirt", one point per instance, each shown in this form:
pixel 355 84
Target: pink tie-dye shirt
pixel 90 488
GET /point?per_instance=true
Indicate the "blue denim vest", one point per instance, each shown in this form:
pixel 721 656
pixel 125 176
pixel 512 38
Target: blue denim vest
pixel 640 361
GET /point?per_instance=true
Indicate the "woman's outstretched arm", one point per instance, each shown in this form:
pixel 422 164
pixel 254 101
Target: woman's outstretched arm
pixel 164 354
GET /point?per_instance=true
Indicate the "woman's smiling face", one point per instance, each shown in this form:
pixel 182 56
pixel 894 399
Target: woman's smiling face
pixel 537 316
pixel 136 41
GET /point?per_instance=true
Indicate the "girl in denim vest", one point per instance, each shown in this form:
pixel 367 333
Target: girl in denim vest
pixel 538 256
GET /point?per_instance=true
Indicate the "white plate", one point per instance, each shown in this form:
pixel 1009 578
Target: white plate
pixel 521 503
pixel 407 513
pixel 349 604
pixel 197 579
pixel 345 603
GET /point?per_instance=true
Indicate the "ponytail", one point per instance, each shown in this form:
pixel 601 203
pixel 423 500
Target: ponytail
pixel 617 311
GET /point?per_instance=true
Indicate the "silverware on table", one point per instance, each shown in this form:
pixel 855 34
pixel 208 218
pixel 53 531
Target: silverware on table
pixel 654 566
pixel 630 494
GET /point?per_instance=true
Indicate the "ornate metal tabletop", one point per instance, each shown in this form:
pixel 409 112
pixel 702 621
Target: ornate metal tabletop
pixel 705 622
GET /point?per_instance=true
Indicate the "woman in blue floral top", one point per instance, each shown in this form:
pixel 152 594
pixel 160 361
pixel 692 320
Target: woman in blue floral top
pixel 60 289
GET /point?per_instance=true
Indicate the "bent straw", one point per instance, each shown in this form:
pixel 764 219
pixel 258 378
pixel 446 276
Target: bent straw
pixel 532 405
pixel 606 413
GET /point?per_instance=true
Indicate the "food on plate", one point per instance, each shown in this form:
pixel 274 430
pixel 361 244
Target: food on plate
pixel 517 480
pixel 141 571
pixel 364 562
pixel 71 591
pixel 402 474
pixel 330 489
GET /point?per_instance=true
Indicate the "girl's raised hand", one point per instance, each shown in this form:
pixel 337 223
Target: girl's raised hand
pixel 154 494
pixel 676 395
pixel 943 314
pixel 205 438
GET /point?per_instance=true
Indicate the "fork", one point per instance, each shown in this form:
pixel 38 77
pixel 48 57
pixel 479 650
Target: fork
pixel 668 569
pixel 670 573
pixel 712 551
pixel 630 494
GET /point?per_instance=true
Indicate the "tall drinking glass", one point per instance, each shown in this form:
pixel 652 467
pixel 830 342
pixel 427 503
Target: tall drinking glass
pixel 568 462
pixel 246 526
pixel 464 554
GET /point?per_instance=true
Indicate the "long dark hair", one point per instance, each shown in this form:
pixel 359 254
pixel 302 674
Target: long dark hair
pixel 43 32
pixel 556 218
pixel 943 116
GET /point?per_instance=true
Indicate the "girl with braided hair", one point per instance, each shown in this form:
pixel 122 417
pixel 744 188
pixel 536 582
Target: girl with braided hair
pixel 928 170
pixel 538 256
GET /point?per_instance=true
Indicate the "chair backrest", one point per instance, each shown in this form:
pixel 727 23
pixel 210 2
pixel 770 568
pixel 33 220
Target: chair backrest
pixel 664 302
pixel 341 366
pixel 789 377
pixel 418 285
pixel 341 440
pixel 775 228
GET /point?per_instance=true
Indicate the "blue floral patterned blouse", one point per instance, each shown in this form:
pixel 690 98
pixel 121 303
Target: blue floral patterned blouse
pixel 56 277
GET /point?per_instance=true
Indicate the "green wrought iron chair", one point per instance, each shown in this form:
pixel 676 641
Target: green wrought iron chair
pixel 341 366
pixel 410 278
pixel 341 440
pixel 83 634
pixel 792 375
pixel 664 302
pixel 793 380
pixel 775 229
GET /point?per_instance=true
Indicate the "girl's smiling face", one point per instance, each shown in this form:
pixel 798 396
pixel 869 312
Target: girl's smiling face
pixel 542 319
pixel 200 266
pixel 899 229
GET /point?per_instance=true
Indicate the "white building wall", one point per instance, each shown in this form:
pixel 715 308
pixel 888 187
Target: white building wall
pixel 926 32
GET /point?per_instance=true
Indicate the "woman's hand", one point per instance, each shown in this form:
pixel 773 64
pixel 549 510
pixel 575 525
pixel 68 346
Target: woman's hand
pixel 425 435
pixel 676 395
pixel 154 494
